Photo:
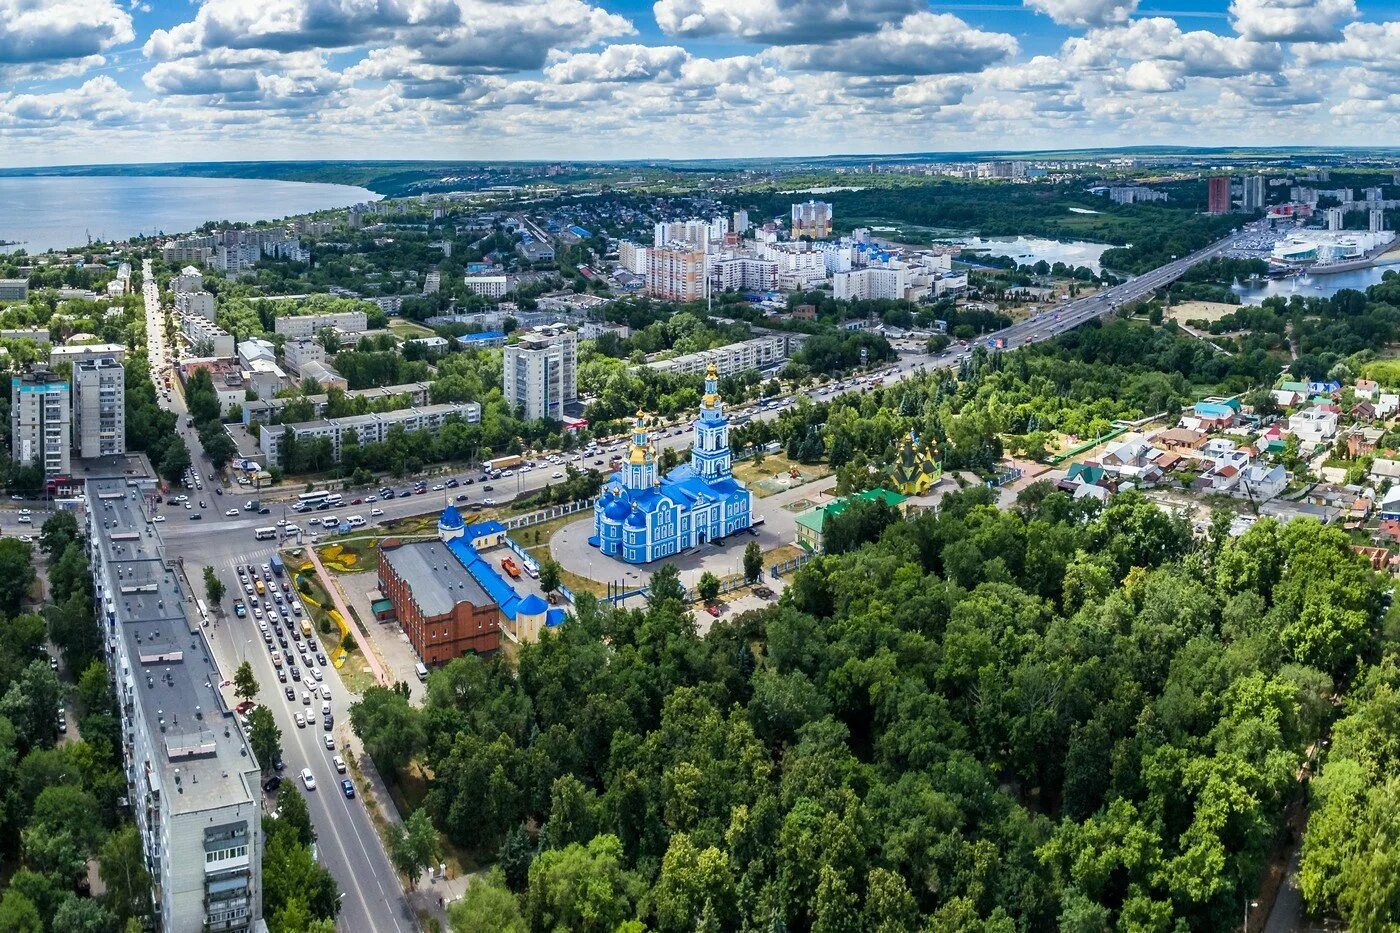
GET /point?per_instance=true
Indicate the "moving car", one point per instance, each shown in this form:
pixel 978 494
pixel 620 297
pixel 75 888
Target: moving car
pixel 347 789
pixel 308 779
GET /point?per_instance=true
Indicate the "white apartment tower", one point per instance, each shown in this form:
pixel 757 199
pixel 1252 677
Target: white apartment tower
pixel 541 372
pixel 40 421
pixel 99 408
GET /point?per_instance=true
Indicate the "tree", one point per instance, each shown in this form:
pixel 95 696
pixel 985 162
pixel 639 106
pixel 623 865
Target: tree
pixel 31 705
pixel 708 587
pixel 60 530
pixel 753 562
pixel 82 915
pixel 294 816
pixel 348 643
pixel 264 737
pixel 62 834
pixel 391 729
pixel 413 846
pixel 245 683
pixel 219 448
pixel 514 858
pixel 16 574
pixel 549 575
pixel 487 906
pixel 581 889
pixel 122 867
pixel 665 584
pixel 214 588
pixel 175 461
pixel 19 915
pixel 70 573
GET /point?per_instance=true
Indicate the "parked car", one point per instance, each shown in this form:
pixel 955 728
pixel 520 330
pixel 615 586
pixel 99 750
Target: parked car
pixel 347 789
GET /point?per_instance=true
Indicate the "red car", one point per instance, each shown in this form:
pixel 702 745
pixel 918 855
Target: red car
pixel 245 706
pixel 712 610
pixel 356 501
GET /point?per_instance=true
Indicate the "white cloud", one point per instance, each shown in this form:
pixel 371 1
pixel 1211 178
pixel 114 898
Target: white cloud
pixel 942 91
pixel 98 102
pixel 780 22
pixel 921 44
pixel 1160 39
pixel 1085 12
pixel 620 63
pixel 1292 20
pixel 33 31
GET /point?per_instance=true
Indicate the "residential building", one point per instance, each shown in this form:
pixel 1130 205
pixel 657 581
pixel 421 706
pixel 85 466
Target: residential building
pixel 811 524
pixel 692 233
pixel 1313 425
pixel 99 408
pixel 632 257
pixel 323 375
pixel 740 222
pixel 432 282
pixel 641 516
pixel 263 378
pixel 190 279
pixel 482 340
pixel 307 325
pixel 811 219
pixel 296 353
pixel 86 351
pixel 1132 194
pixel 191 778
pixel 1262 481
pixel 1255 193
pixel 676 272
pixel 744 273
pixel 1218 194
pixel 887 280
pixel 37 334
pixel 254 349
pixel 541 372
pixel 40 420
pixel 490 286
pixel 366 429
pixel 14 289
pixel 200 330
pixel 407 395
pixel 434 344
pixel 196 302
pixel 756 353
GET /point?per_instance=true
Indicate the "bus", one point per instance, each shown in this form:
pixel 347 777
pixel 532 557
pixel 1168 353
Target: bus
pixel 313 499
pixel 265 534
pixel 203 611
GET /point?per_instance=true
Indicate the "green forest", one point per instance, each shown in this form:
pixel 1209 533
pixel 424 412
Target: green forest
pixel 1053 716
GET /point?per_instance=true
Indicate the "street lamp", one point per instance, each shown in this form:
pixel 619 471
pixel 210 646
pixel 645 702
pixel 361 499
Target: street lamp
pixel 1248 906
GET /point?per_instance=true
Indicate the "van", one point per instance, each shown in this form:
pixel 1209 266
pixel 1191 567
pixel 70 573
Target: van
pixel 356 521
pixel 422 670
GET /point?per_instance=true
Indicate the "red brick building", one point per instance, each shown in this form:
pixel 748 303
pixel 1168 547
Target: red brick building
pixel 439 605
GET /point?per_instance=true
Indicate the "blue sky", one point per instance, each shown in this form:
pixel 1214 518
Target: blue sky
pixel 150 80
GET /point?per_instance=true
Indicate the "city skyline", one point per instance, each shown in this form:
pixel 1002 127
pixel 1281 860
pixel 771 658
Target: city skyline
pixel 142 80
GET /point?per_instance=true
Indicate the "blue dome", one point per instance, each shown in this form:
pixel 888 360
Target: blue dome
pixel 616 510
pixel 531 605
pixel 636 519
pixel 451 518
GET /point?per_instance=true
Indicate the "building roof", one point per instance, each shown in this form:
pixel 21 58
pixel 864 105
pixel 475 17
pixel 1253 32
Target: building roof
pixel 532 605
pixel 451 518
pixel 816 518
pixel 437 580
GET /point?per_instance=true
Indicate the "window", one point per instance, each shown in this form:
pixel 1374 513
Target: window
pixel 219 855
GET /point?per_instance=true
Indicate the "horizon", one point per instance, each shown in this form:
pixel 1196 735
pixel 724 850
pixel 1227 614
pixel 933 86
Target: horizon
pixel 156 81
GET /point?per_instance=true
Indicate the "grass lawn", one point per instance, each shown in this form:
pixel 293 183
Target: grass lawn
pixel 409 329
pixel 759 476
pixel 349 555
pixel 354 672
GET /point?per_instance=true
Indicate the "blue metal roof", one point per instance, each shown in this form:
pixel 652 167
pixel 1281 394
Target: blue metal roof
pixel 484 528
pixel 532 605
pixel 555 617
pixel 482 336
pixel 501 592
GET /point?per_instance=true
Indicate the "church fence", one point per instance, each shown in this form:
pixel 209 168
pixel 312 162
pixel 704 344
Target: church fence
pixel 544 515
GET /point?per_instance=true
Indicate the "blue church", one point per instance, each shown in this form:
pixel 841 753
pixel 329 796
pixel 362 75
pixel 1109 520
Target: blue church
pixel 641 516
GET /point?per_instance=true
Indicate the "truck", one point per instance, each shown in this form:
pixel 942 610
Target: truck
pixel 503 463
pixel 510 567
pixel 276 563
pixel 306 627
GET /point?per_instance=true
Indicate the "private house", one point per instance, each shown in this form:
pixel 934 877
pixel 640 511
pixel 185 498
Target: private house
pixel 1291 394
pixel 1363 440
pixel 1313 426
pixel 1390 506
pixel 1225 472
pixel 1262 481
pixel 1210 415
pixel 1387 404
pixel 1366 388
pixel 811 524
pixel 1181 439
pixel 1134 459
pixel 1363 411
pixel 1272 440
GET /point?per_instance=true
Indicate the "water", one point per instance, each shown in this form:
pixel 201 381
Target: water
pixel 1314 286
pixel 1029 250
pixel 55 212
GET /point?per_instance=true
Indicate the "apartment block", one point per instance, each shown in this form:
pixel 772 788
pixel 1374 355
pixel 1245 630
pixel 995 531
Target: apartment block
pixel 14 289
pixel 297 353
pixel 632 257
pixel 195 302
pixel 676 272
pixel 41 421
pixel 811 219
pixel 489 286
pixel 744 273
pixel 888 280
pixel 366 429
pixel 99 408
pixel 541 371
pixel 192 779
pixel 756 353
pixel 86 351
pixel 268 410
pixel 190 279
pixel 307 325
pixel 199 329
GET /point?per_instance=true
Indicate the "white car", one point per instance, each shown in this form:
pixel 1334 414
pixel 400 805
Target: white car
pixel 231 513
pixel 308 778
pixel 339 764
pixel 330 742
pixel 158 518
pixel 556 475
pixel 376 512
pixel 316 673
pixel 325 692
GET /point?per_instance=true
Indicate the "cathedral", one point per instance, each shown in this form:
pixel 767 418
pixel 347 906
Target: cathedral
pixel 641 516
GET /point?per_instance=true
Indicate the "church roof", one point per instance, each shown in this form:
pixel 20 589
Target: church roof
pixel 451 518
pixel 532 605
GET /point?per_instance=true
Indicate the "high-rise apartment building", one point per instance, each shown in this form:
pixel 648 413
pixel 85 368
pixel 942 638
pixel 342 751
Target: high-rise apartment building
pixel 40 421
pixel 1218 194
pixel 541 371
pixel 695 233
pixel 676 272
pixel 99 408
pixel 811 219
pixel 1254 198
pixel 191 778
pixel 740 224
pixel 632 257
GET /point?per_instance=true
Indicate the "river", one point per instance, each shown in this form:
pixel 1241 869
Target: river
pixel 1028 250
pixel 54 212
pixel 1316 286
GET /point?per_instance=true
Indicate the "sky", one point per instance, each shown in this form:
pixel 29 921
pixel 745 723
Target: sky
pixel 99 81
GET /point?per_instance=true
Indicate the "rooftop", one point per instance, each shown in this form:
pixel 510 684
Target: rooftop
pixel 202 759
pixel 435 576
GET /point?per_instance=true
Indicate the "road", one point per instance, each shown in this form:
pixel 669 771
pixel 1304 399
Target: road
pixel 348 845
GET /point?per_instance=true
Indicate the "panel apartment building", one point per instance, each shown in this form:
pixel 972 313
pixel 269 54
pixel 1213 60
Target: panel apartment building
pixel 756 353
pixel 308 325
pixel 541 371
pixel 41 411
pixel 367 429
pixel 99 408
pixel 191 777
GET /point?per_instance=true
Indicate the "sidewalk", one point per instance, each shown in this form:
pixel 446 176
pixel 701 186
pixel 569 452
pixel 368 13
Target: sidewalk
pixel 362 638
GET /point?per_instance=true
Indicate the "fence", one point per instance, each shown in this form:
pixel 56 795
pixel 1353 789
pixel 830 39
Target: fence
pixel 790 565
pixel 544 515
pixel 727 584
